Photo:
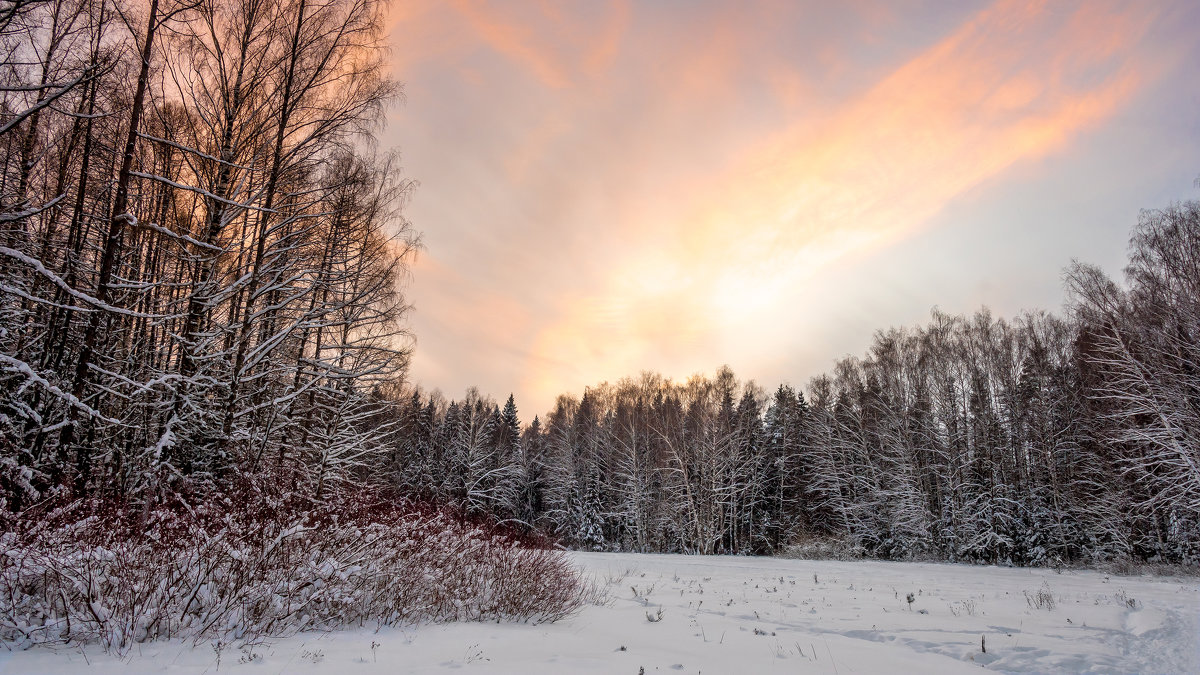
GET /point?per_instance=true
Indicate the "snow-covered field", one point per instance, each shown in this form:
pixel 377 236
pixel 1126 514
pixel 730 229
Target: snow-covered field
pixel 667 614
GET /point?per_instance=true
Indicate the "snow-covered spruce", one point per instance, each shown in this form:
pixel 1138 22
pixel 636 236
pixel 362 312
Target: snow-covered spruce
pixel 93 576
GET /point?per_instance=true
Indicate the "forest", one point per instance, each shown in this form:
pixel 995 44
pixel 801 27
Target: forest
pixel 201 253
pixel 202 264
pixel 202 256
pixel 1043 440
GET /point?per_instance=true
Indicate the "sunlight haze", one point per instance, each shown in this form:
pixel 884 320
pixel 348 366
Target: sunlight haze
pixel 611 187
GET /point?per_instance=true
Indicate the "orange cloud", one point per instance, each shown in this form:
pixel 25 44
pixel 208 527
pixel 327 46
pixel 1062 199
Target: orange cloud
pixel 475 324
pixel 1016 81
pixel 604 49
pixel 514 40
pixel 610 187
pixel 525 38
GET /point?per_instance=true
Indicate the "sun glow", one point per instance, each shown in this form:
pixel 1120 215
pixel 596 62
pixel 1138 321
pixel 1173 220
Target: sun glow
pixel 682 229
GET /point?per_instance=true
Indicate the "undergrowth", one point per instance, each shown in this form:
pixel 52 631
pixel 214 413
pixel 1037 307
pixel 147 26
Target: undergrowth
pixel 254 566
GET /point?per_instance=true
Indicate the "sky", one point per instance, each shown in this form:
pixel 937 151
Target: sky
pixel 608 187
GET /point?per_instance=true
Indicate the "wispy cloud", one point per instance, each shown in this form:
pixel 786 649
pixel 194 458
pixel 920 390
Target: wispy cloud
pixel 671 202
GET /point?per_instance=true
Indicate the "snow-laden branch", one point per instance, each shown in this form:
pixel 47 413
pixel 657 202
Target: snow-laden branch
pixel 38 267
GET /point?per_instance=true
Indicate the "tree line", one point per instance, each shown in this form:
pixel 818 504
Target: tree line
pixel 200 264
pixel 1041 440
pixel 200 251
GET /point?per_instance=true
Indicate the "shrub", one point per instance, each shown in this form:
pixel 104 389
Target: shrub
pixel 827 548
pixel 1043 598
pixel 96 572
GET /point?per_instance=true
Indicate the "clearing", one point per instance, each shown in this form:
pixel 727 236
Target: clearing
pixel 692 614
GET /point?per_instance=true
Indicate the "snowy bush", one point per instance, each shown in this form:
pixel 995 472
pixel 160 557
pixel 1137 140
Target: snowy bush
pixel 827 548
pixel 1043 598
pixel 89 574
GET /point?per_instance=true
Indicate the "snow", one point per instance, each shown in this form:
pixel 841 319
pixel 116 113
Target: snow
pixel 749 615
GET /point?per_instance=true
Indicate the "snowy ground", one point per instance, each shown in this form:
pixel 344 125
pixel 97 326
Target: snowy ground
pixel 752 615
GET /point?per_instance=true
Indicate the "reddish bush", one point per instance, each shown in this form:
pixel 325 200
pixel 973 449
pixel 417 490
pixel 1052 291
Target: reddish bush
pixel 97 572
